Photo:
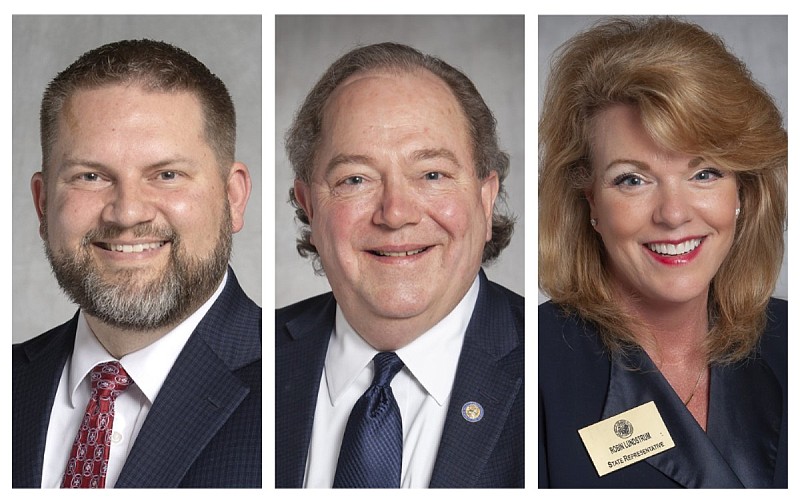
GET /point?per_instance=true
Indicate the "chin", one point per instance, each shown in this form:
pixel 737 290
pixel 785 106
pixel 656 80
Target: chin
pixel 680 296
pixel 399 306
pixel 399 311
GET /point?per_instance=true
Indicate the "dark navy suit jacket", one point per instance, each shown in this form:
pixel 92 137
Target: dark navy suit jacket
pixel 204 428
pixel 745 442
pixel 488 453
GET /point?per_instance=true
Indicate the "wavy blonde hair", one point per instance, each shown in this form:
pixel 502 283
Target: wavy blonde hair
pixel 693 97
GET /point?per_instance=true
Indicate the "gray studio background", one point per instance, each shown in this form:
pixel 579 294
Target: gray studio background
pixel 760 41
pixel 43 46
pixel 488 49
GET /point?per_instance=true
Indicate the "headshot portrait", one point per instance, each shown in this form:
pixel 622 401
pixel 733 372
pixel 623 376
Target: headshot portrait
pixel 136 252
pixel 662 317
pixel 399 351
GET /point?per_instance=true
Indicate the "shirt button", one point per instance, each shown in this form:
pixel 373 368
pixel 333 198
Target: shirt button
pixel 116 437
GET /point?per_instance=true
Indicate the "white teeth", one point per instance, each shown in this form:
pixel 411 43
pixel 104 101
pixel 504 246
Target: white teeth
pixel 137 248
pixel 399 254
pixel 671 249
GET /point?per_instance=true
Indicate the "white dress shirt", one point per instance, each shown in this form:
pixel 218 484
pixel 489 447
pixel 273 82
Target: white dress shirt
pixel 148 367
pixel 422 390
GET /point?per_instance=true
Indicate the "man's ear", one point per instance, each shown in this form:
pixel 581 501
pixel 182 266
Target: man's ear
pixel 238 189
pixel 490 187
pixel 302 194
pixel 39 192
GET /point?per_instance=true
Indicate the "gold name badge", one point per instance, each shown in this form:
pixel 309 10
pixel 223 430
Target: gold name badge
pixel 626 438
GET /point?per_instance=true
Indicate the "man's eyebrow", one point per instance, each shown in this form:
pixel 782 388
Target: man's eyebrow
pixel 347 159
pixel 435 153
pixel 416 156
pixel 73 162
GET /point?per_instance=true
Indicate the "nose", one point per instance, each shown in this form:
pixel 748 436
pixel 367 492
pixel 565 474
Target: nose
pixel 674 207
pixel 398 205
pixel 128 205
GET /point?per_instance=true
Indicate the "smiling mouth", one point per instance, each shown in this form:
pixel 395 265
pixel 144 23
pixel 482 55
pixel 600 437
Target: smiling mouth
pixel 133 248
pixel 408 253
pixel 672 250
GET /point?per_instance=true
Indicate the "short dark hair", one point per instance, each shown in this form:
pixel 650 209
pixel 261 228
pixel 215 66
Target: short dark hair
pixel 303 137
pixel 157 66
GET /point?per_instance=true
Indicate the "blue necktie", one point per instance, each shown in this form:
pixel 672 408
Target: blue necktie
pixel 372 448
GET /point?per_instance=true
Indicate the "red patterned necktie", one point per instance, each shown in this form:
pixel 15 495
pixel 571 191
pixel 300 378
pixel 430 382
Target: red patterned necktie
pixel 88 460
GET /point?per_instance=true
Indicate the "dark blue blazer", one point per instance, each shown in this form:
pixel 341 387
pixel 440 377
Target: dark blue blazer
pixel 204 428
pixel 745 442
pixel 488 453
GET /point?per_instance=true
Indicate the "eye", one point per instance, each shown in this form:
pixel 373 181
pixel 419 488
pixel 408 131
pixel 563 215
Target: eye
pixel 353 180
pixel 628 180
pixel 89 177
pixel 433 176
pixel 708 174
pixel 168 175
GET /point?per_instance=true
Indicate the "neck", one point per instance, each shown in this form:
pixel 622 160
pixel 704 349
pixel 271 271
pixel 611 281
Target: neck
pixel 673 335
pixel 670 333
pixel 391 334
pixel 120 342
pixel 386 333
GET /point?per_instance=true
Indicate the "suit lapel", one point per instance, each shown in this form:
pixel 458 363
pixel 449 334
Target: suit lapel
pixel 36 381
pixel 694 461
pixel 744 398
pixel 198 396
pixel 481 377
pixel 298 370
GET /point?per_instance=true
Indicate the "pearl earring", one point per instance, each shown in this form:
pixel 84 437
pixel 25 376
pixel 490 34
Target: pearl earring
pixel 593 221
pixel 738 210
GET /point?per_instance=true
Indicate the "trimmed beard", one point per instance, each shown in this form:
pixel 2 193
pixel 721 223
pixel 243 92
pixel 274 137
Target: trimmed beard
pixel 125 302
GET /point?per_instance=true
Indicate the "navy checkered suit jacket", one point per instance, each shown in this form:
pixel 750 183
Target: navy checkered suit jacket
pixel 488 453
pixel 204 428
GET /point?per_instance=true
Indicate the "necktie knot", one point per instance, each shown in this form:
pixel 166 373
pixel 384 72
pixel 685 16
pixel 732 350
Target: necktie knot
pixel 109 379
pixel 387 365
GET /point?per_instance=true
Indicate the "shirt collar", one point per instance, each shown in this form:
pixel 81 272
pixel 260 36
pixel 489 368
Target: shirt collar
pixel 149 366
pixel 431 358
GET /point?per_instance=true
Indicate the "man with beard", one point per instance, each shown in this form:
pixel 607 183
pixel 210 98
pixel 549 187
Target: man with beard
pixel 156 381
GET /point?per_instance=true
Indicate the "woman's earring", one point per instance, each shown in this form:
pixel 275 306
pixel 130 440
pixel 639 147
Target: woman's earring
pixel 738 210
pixel 593 221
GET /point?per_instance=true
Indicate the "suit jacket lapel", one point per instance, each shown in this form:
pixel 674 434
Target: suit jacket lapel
pixel 198 396
pixel 481 377
pixel 37 382
pixel 744 398
pixel 694 461
pixel 298 370
pixel 196 399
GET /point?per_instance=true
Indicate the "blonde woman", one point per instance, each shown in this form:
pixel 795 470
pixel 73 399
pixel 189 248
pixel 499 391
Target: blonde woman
pixel 662 193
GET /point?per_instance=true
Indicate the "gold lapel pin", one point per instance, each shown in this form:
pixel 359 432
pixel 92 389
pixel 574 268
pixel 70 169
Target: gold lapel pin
pixel 472 412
